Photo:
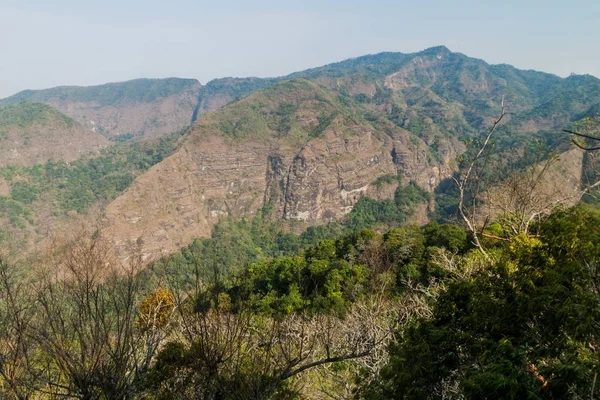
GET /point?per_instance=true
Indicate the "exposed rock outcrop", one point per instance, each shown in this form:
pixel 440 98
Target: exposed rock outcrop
pixel 316 180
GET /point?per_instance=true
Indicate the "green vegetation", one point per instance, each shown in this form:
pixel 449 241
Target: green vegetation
pixel 17 213
pixel 79 185
pixel 368 212
pixel 22 115
pixel 281 111
pixel 332 275
pixel 386 180
pixel 523 327
pixel 521 324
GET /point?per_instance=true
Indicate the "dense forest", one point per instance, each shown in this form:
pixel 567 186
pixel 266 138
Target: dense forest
pixel 414 312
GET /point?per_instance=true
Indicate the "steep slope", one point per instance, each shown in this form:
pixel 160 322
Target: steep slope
pixel 579 97
pixel 141 107
pixel 39 202
pixel 32 133
pixel 296 150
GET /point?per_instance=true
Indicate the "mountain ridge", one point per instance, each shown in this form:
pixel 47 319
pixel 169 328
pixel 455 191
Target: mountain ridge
pixel 168 113
pixel 309 146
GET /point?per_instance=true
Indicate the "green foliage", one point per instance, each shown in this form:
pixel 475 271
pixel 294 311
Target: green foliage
pixel 17 213
pixel 232 246
pixel 315 234
pixel 521 328
pixel 23 192
pixel 88 180
pixel 451 237
pixel 386 180
pixel 23 115
pixel 319 280
pixel 368 212
pixel 326 277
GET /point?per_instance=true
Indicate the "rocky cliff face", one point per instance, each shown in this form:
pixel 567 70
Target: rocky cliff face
pixel 292 174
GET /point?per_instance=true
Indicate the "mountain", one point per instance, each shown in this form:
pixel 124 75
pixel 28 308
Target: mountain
pixel 32 133
pixel 141 107
pixel 296 148
pixel 310 145
pixel 437 91
pixel 307 146
pixel 431 92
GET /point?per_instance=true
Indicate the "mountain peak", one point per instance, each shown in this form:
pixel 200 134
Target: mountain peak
pixel 436 50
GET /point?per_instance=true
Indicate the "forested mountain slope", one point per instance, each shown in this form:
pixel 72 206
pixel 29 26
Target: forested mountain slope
pixel 32 133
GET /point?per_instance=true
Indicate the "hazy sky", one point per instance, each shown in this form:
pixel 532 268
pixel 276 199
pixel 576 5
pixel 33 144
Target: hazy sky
pixel 78 42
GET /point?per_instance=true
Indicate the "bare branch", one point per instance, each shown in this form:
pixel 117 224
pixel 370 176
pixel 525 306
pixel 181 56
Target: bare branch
pixel 462 184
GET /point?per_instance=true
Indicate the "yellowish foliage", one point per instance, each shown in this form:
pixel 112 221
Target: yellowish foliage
pixel 155 311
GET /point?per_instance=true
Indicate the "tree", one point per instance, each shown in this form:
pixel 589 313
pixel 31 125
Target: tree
pixel 586 133
pixel 513 194
pixel 73 333
pixel 19 354
pixel 524 327
pixel 587 137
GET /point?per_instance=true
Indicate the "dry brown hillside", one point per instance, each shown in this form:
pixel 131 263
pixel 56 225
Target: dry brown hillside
pixel 292 148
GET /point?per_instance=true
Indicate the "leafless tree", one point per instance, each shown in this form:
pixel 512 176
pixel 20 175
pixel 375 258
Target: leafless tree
pixel 233 352
pixel 19 364
pixel 515 200
pixel 470 184
pixel 86 323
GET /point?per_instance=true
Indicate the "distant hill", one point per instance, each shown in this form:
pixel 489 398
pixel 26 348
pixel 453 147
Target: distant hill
pixel 32 133
pixel 141 107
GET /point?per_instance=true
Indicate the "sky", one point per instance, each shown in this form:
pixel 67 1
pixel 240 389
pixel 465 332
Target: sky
pixel 78 42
